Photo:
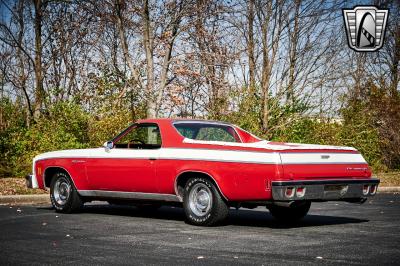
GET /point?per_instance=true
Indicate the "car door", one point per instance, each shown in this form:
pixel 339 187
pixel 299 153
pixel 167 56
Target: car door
pixel 130 165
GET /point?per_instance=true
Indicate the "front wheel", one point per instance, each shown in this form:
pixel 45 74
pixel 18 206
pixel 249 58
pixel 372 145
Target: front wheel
pixel 290 214
pixel 63 194
pixel 203 203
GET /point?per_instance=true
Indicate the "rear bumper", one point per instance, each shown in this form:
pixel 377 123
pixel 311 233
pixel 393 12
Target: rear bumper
pixel 31 181
pixel 334 189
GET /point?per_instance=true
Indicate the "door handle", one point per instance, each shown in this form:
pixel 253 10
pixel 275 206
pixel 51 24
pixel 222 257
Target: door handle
pixel 152 159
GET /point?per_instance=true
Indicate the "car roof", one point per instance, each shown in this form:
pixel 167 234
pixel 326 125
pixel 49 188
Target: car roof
pixel 182 120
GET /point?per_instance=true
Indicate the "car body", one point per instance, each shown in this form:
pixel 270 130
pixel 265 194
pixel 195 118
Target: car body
pixel 154 160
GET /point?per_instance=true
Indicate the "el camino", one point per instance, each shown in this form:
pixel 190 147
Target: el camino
pixel 206 166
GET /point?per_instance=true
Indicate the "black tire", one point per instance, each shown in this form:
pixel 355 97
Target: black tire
pixel 216 210
pixel 67 202
pixel 291 214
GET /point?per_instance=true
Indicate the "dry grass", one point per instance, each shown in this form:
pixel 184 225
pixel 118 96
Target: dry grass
pixel 390 179
pixel 16 186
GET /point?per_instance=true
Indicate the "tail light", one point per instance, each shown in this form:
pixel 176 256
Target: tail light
pixel 289 193
pixel 365 190
pixel 300 192
pixel 372 190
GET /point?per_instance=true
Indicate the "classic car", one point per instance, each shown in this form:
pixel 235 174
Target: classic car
pixel 206 167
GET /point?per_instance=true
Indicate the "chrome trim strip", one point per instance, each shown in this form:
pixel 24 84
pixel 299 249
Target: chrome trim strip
pixel 325 182
pixel 128 195
pixel 234 128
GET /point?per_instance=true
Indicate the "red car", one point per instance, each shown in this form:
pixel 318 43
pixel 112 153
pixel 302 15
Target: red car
pixel 207 167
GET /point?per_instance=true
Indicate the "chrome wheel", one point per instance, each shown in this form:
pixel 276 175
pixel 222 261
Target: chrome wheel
pixel 200 199
pixel 62 191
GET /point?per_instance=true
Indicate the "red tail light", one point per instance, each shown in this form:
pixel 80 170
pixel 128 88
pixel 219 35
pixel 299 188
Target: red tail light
pixel 365 189
pixel 289 193
pixel 300 192
pixel 372 190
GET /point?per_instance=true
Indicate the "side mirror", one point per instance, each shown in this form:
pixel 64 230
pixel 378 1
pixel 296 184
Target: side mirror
pixel 108 145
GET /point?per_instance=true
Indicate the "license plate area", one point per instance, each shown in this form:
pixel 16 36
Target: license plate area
pixel 336 189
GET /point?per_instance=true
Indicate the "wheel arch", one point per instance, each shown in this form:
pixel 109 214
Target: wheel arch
pixel 49 173
pixel 182 178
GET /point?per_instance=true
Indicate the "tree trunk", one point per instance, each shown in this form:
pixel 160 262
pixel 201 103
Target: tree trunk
pixel 395 61
pixel 294 37
pixel 124 45
pixel 39 90
pixel 148 46
pixel 250 48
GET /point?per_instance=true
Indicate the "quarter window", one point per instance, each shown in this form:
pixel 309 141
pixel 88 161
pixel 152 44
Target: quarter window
pixel 207 132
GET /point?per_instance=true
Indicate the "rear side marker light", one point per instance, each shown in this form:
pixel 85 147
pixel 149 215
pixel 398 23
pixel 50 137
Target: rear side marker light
pixel 365 189
pixel 300 192
pixel 372 190
pixel 289 193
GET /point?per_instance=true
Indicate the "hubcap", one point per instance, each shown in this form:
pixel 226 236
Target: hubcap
pixel 200 199
pixel 62 190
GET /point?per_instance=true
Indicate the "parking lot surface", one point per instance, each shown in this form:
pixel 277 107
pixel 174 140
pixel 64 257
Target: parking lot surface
pixel 332 233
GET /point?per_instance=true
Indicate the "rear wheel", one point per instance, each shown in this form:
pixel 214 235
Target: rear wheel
pixel 63 194
pixel 290 214
pixel 203 203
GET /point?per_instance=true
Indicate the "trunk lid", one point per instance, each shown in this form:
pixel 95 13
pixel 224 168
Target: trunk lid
pixel 305 161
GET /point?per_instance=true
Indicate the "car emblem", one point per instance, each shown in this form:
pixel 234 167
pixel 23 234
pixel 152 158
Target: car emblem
pixel 365 27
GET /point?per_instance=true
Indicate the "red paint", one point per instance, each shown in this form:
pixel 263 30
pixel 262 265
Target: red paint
pixel 237 181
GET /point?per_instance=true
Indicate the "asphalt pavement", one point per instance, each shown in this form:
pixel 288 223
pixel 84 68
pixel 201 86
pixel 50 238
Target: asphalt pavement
pixel 332 233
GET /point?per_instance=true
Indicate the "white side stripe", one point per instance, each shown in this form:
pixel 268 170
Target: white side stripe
pixel 210 155
pixel 322 158
pixel 220 155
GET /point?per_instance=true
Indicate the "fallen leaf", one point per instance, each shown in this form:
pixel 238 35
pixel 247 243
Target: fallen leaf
pixel 200 257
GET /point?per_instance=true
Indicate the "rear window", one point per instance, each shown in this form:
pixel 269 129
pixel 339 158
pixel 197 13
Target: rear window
pixel 207 132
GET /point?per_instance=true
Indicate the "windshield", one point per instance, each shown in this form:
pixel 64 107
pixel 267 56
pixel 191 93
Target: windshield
pixel 207 131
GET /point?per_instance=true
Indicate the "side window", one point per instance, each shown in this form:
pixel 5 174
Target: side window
pixel 146 136
pixel 207 132
pixel 187 132
pixel 214 134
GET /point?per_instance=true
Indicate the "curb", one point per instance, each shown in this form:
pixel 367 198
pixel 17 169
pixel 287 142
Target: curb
pixel 25 199
pixel 388 189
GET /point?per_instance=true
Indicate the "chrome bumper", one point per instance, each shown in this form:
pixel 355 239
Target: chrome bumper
pixel 336 189
pixel 31 181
